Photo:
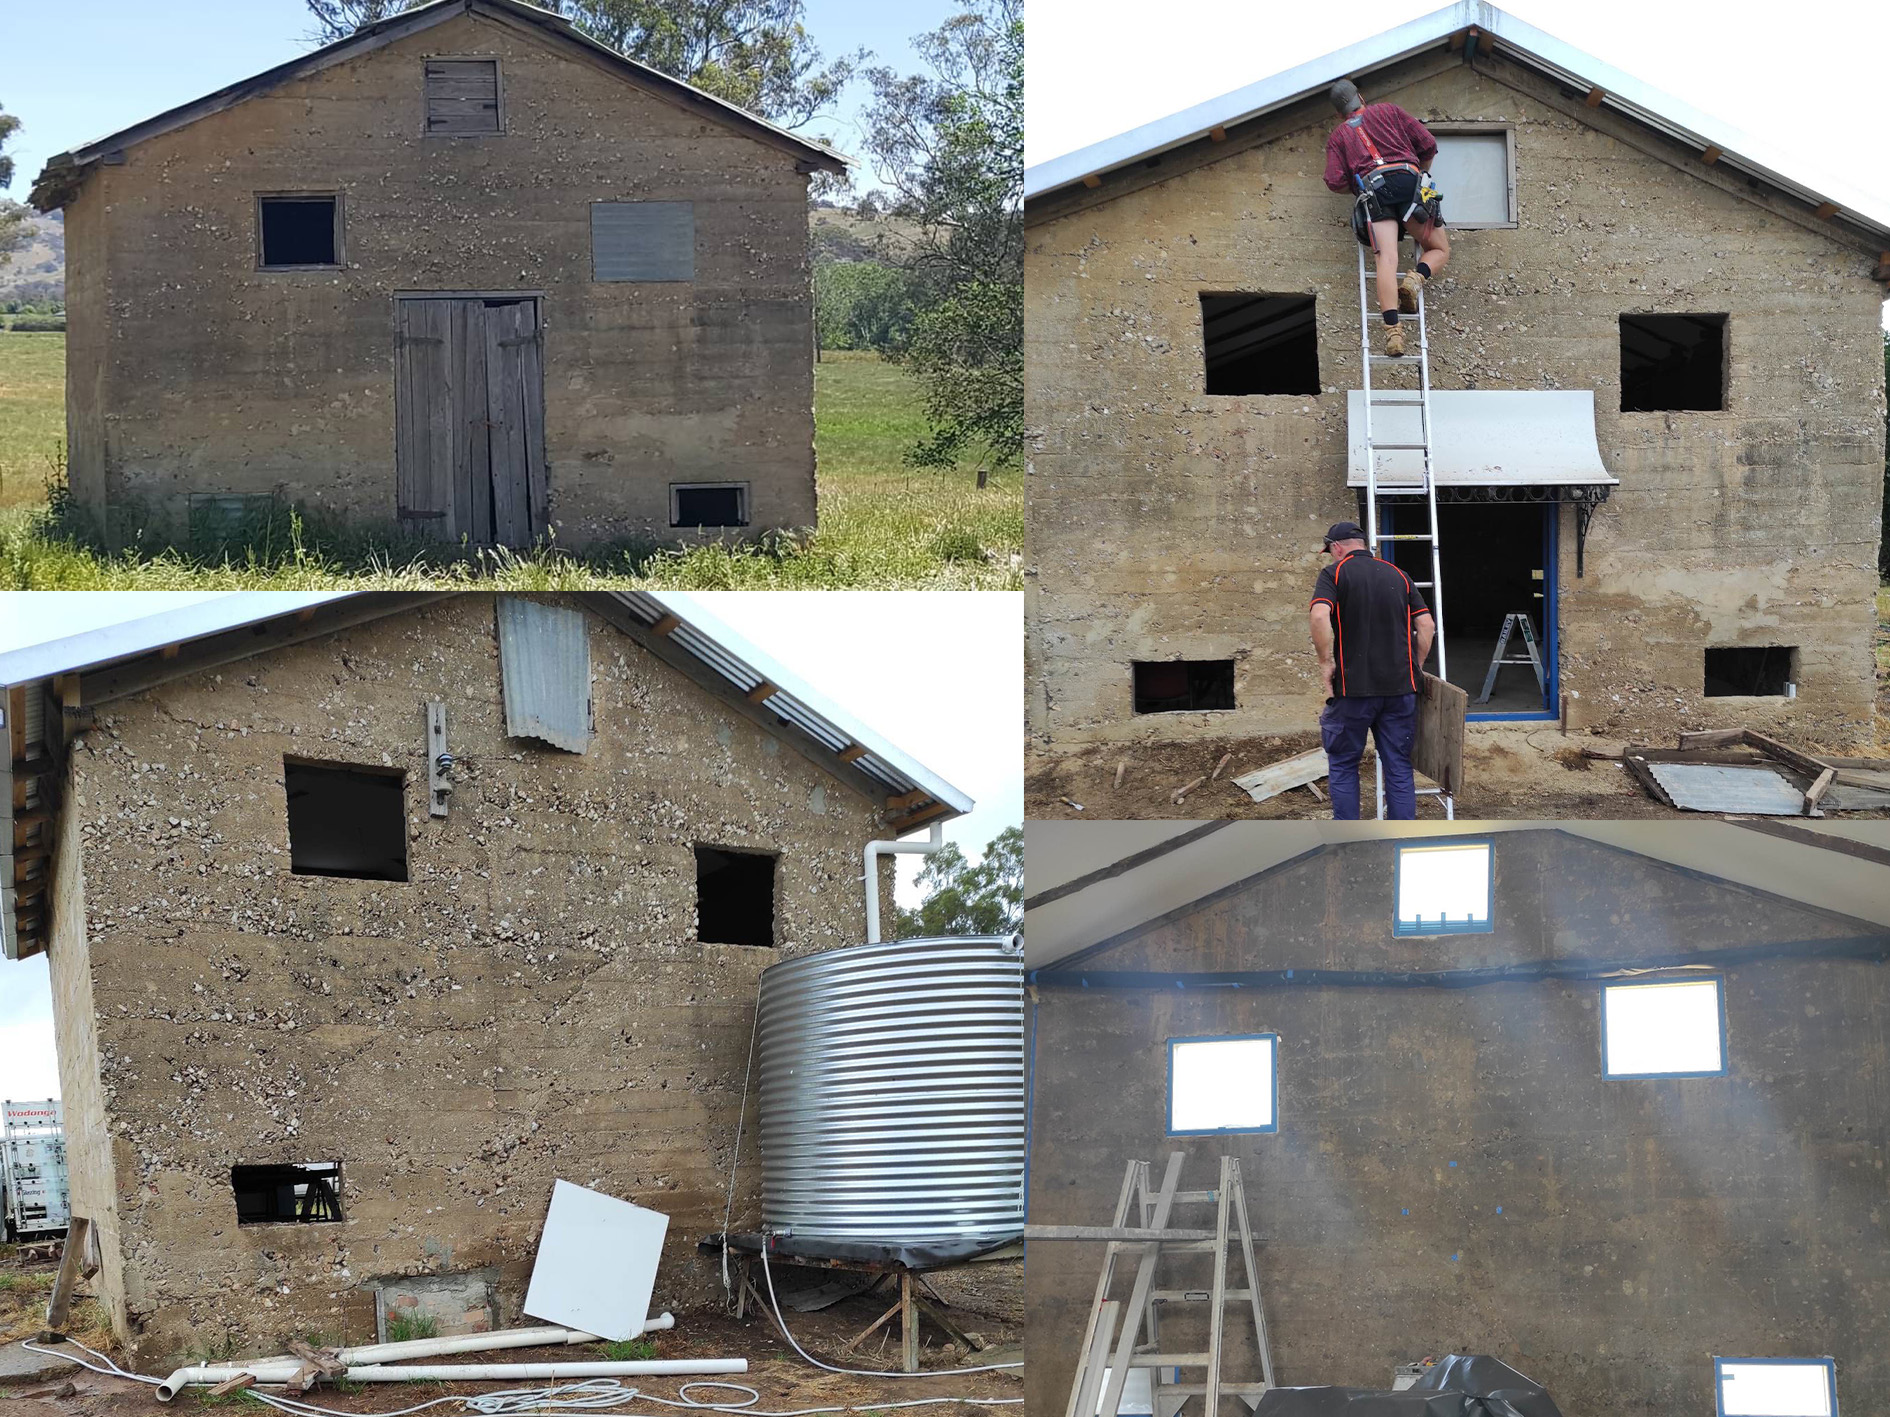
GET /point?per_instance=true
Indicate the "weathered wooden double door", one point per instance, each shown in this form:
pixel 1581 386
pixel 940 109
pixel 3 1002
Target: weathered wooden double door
pixel 470 414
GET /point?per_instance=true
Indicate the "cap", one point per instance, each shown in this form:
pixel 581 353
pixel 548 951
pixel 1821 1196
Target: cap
pixel 1343 531
pixel 1344 96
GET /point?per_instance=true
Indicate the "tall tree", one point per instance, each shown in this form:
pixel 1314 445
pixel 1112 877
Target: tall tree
pixel 962 899
pixel 951 146
pixel 755 54
pixel 12 214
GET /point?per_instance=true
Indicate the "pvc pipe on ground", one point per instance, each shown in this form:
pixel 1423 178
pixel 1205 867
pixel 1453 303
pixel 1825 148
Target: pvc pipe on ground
pixel 544 1337
pixel 267 1374
pixel 877 849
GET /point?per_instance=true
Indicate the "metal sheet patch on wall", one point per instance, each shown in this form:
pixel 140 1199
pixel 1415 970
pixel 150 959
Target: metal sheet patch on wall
pixel 545 671
pixel 643 241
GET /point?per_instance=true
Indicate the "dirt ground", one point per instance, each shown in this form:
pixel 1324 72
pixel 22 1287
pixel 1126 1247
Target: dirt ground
pixel 1524 771
pixel 985 1300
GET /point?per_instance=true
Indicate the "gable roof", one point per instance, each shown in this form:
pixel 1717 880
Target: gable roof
pixel 82 671
pixel 60 179
pixel 1092 884
pixel 1476 27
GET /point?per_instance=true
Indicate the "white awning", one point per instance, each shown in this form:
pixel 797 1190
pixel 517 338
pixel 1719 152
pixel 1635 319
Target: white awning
pixel 1482 438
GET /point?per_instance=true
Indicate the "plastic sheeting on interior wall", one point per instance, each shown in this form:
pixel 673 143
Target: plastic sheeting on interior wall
pixel 545 672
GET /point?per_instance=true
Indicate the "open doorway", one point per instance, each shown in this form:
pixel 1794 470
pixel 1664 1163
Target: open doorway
pixel 1499 560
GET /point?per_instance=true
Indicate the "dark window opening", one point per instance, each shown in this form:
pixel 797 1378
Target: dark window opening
pixel 1762 671
pixel 1260 344
pixel 346 821
pixel 1673 362
pixel 734 897
pixel 1178 685
pixel 299 231
pixel 302 1194
pixel 709 506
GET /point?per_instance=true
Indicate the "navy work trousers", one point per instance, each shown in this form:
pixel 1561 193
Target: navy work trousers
pixel 1391 719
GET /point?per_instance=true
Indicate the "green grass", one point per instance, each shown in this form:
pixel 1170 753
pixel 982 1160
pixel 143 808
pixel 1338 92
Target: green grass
pixel 883 525
pixel 32 415
pixel 636 1350
pixel 402 1329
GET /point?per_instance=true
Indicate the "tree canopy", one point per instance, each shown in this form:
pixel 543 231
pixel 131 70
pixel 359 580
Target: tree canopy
pixel 963 899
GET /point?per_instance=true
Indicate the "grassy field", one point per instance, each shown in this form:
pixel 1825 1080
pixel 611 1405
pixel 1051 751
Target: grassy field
pixel 882 525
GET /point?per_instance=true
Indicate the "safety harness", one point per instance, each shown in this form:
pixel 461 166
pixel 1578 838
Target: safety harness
pixel 1424 196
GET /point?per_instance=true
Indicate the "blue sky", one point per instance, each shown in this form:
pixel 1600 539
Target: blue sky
pixel 138 59
pixel 940 674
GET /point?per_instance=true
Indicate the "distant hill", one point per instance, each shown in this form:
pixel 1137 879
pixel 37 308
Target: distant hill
pixel 37 271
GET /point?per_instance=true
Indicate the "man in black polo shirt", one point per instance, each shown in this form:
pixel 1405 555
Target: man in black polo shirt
pixel 1365 615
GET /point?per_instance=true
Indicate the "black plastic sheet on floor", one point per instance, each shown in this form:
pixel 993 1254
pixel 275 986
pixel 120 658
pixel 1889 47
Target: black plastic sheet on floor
pixel 1461 1385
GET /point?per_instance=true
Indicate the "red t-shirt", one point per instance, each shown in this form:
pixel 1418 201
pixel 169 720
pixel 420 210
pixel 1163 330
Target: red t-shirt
pixel 1399 136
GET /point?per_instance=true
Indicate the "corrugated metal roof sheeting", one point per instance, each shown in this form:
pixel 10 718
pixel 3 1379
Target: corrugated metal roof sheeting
pixel 545 672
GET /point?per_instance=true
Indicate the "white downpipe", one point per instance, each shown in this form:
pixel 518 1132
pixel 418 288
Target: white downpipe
pixel 544 1337
pixel 877 849
pixel 277 1374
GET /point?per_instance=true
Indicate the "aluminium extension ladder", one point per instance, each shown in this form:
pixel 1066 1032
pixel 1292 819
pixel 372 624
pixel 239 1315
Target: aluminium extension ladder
pixel 1420 399
pixel 1102 1374
pixel 1532 658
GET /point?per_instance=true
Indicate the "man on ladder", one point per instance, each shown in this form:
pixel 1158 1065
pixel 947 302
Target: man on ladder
pixel 1380 152
pixel 1365 616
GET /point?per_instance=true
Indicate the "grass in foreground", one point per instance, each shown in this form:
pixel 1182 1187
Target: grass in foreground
pixel 883 525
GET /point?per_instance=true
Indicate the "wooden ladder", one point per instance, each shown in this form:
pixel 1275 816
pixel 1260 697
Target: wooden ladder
pixel 1101 1373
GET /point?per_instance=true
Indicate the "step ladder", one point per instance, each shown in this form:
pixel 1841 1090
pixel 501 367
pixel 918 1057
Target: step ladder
pixel 1109 1354
pixel 1533 659
pixel 1418 360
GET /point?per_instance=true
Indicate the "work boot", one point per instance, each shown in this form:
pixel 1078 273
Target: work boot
pixel 1408 289
pixel 1394 340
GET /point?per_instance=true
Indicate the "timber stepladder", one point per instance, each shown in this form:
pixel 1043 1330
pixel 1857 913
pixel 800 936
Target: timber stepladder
pixel 1425 488
pixel 1110 1353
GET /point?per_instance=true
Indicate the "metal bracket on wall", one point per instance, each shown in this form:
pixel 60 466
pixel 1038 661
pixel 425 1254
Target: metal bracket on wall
pixel 1585 508
pixel 439 761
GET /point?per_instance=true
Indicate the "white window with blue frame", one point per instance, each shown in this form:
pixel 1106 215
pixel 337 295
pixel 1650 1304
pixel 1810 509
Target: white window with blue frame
pixel 1775 1387
pixel 1223 1084
pixel 1669 1028
pixel 1445 888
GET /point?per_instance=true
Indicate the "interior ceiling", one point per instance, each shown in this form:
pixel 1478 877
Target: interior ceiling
pixel 1060 853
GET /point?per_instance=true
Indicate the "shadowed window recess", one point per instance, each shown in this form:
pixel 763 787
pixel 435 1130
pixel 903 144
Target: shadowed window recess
pixel 296 232
pixel 300 1194
pixel 1671 1029
pixel 1764 671
pixel 1775 1387
pixel 708 504
pixel 346 820
pixel 1181 685
pixel 1673 363
pixel 734 897
pixel 1223 1085
pixel 1448 889
pixel 1260 344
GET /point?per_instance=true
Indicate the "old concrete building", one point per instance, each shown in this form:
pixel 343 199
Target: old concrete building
pixel 466 273
pixel 1474 1142
pixel 286 942
pixel 1659 420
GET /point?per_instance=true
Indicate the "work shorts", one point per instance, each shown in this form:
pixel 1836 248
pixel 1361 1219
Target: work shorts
pixel 1394 195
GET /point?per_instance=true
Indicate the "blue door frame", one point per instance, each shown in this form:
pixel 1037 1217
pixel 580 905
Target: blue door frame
pixel 1551 619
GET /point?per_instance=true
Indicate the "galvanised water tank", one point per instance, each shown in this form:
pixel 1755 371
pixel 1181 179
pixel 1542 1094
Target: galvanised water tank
pixel 892 1092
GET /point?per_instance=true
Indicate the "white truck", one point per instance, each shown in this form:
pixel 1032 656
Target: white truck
pixel 34 1194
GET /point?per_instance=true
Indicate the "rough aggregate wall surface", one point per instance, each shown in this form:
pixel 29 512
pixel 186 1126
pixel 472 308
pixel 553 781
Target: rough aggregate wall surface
pixel 90 1164
pixel 88 346
pixel 225 379
pixel 1167 524
pixel 532 1004
pixel 1644 1226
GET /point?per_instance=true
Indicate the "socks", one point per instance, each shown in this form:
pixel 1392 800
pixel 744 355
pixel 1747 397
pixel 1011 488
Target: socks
pixel 1391 317
pixel 1424 270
